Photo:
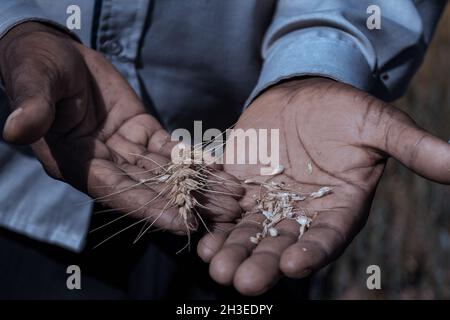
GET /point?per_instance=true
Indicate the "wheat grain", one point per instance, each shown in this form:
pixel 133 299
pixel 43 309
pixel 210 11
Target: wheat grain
pixel 278 203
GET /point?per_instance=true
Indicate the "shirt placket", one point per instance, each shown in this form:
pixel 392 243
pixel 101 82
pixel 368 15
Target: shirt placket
pixel 120 29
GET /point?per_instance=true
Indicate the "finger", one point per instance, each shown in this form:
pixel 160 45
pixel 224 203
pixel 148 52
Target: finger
pixel 235 250
pixel 33 104
pixel 148 171
pixel 30 84
pixel 135 152
pixel 329 234
pixel 219 208
pixel 219 198
pixel 144 130
pixel 261 270
pixel 152 162
pixel 212 241
pixel 161 143
pixel 417 149
pixel 128 150
pixel 224 183
pixel 247 202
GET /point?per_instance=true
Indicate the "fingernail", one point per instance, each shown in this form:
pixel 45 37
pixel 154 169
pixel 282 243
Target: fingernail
pixel 304 273
pixel 13 115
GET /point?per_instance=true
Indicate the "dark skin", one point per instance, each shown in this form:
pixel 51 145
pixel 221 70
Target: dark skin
pixel 347 135
pixel 88 127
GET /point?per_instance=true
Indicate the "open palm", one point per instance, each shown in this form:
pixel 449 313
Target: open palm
pixel 330 135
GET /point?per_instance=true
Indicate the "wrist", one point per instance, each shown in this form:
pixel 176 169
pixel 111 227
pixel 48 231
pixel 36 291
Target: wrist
pixel 289 87
pixel 298 82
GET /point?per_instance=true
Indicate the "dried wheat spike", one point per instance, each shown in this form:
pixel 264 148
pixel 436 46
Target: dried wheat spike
pixel 183 180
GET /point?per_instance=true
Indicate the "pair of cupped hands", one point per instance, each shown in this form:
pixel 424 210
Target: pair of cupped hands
pixel 87 127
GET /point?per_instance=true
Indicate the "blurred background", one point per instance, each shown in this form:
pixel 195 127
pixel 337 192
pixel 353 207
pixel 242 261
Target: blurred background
pixel 408 232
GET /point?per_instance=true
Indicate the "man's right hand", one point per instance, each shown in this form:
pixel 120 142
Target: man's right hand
pixel 85 123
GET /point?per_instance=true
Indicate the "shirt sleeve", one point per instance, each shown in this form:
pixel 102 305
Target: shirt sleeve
pixel 331 38
pixel 37 206
pixel 14 12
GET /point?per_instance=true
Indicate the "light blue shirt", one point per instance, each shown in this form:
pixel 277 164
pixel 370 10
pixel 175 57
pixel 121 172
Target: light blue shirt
pixel 205 60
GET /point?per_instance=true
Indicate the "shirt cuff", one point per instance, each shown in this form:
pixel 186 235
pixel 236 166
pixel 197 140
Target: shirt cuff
pixel 21 11
pixel 314 53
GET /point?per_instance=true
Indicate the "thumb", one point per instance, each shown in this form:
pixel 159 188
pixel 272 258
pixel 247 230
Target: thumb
pixel 419 150
pixel 33 110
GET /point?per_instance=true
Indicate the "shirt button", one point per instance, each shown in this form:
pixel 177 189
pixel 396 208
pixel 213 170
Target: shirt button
pixel 112 47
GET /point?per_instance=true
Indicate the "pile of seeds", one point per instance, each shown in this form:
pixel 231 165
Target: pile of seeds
pixel 277 203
